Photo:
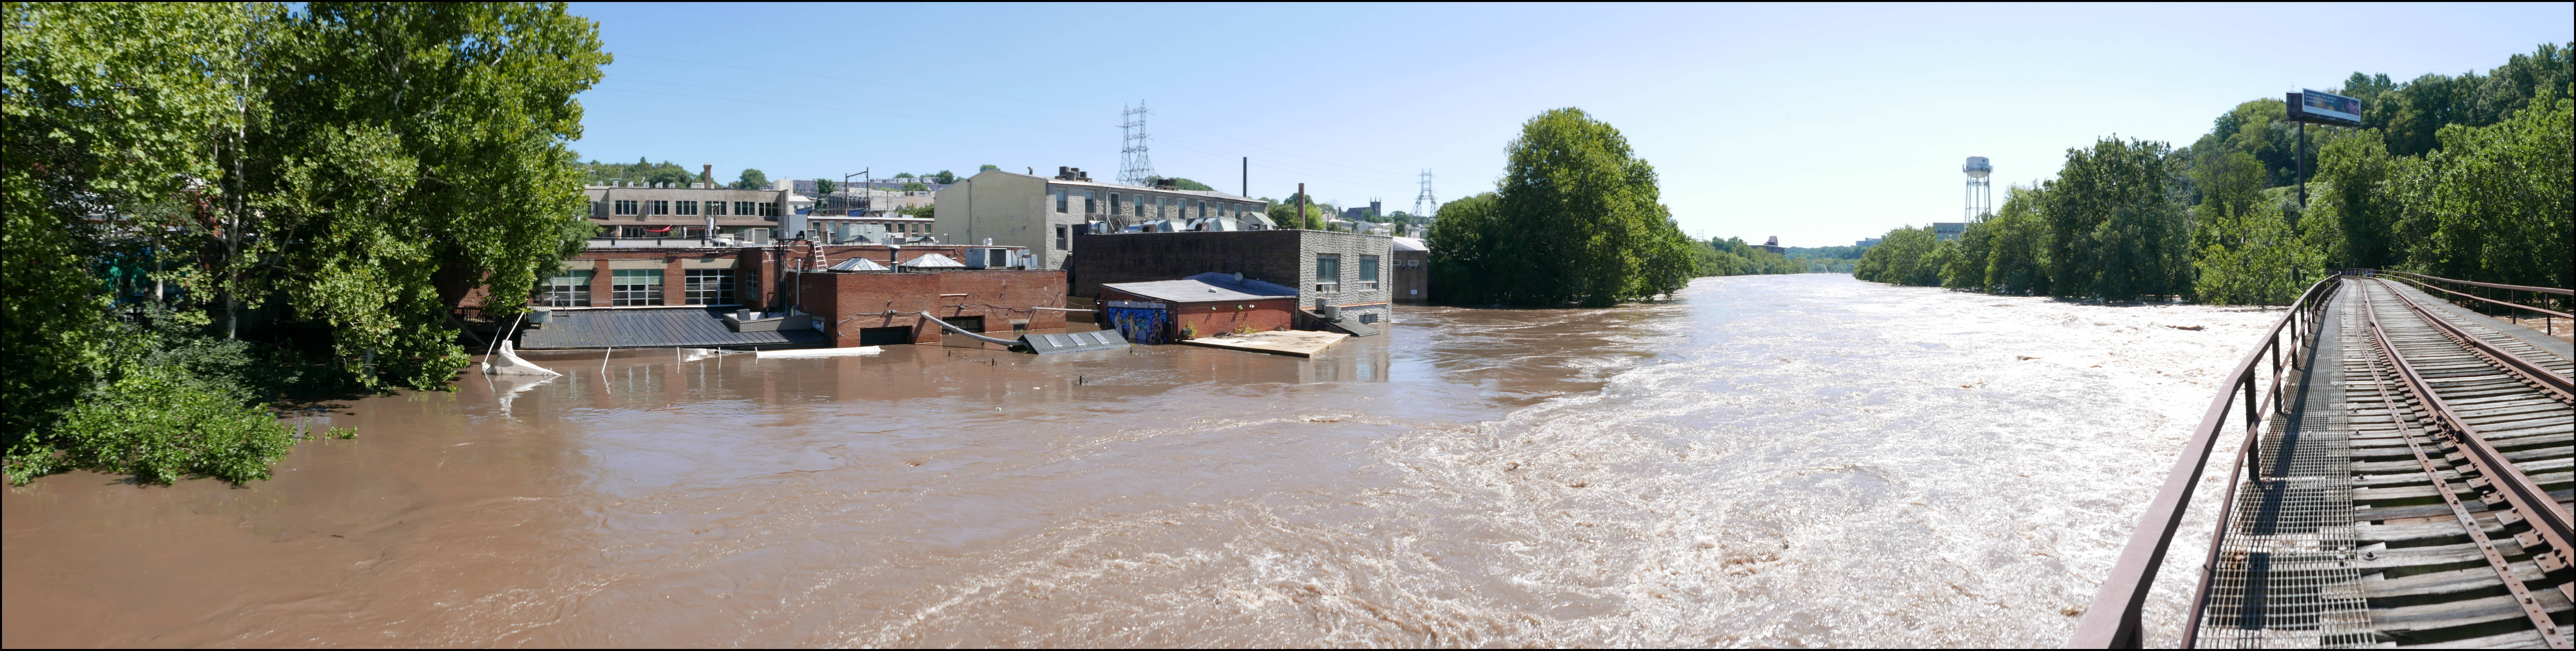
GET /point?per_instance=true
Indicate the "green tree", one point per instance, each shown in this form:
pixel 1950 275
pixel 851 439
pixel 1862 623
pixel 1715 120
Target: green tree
pixel 2494 203
pixel 2115 230
pixel 2254 257
pixel 1903 257
pixel 1181 183
pixel 823 187
pixel 945 177
pixel 987 168
pixel 913 186
pixel 2016 248
pixel 751 179
pixel 2354 203
pixel 1577 220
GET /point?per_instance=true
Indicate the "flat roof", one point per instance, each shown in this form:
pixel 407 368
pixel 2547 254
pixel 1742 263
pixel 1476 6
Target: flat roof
pixel 1204 288
pixel 669 327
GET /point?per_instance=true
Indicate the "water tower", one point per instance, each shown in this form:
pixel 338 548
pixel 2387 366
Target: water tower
pixel 1981 195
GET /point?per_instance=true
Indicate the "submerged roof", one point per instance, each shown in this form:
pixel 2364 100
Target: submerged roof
pixel 1203 288
pixel 673 327
pixel 859 264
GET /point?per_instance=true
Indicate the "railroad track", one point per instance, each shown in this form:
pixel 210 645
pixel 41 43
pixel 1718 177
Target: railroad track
pixel 2459 442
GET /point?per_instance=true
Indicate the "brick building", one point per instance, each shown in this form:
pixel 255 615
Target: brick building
pixel 1203 305
pixel 875 308
pixel 1325 267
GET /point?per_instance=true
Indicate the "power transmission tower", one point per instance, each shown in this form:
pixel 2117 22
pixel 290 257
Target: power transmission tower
pixel 1135 167
pixel 1420 201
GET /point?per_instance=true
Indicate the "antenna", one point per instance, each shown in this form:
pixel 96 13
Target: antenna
pixel 1135 167
pixel 1423 200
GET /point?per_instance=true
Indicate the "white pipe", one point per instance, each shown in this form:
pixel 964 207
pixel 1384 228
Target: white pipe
pixel 962 331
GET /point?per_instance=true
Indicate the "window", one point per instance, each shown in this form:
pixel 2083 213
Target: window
pixel 768 209
pixel 626 206
pixel 1328 272
pixel 1202 209
pixel 746 208
pixel 689 207
pixel 595 207
pixel 1368 272
pixel 1089 202
pixel 567 288
pixel 635 287
pixel 708 286
pixel 1113 202
pixel 715 209
pixel 1063 200
pixel 997 258
pixel 661 207
pixel 1063 238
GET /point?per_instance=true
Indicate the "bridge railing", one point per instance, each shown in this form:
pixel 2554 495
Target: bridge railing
pixel 2539 297
pixel 2113 620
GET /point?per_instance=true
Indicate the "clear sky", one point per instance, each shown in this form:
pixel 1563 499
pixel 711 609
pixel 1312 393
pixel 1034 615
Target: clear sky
pixel 1820 124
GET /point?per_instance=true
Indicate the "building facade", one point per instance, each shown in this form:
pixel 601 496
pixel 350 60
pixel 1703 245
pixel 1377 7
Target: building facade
pixel 634 212
pixel 1043 213
pixel 1411 259
pixel 1348 270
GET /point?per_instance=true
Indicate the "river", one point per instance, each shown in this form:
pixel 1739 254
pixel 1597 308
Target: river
pixel 1766 461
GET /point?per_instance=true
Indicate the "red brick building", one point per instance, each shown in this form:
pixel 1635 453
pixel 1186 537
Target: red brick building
pixel 874 308
pixel 1204 305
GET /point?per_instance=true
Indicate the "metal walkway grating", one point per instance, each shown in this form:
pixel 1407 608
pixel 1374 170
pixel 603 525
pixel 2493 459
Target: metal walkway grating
pixel 2284 577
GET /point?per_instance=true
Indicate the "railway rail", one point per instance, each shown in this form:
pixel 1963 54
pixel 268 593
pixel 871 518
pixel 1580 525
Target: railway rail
pixel 2409 486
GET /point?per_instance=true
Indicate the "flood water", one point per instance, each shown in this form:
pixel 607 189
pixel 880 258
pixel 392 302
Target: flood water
pixel 1769 461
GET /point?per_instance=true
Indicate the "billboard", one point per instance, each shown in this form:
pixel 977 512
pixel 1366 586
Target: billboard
pixel 2329 105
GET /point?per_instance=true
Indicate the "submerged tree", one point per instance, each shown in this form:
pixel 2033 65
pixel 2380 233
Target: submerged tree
pixel 1578 220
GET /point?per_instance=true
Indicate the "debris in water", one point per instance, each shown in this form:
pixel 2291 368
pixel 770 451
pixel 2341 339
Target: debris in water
pixel 2025 357
pixel 2188 327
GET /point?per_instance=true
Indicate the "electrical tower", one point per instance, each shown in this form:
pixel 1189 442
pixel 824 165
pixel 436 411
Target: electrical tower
pixel 1135 167
pixel 1424 200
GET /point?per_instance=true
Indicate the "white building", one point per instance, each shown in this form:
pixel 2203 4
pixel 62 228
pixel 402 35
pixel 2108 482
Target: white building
pixel 1043 213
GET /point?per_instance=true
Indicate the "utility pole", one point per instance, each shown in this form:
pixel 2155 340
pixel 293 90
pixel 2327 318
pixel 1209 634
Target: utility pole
pixel 1136 166
pixel 1421 201
pixel 1301 206
pixel 1247 176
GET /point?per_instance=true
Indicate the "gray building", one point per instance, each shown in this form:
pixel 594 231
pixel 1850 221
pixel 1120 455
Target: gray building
pixel 1042 213
pixel 1351 270
pixel 642 212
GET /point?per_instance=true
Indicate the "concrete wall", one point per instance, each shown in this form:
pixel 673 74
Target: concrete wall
pixel 1412 278
pixel 850 302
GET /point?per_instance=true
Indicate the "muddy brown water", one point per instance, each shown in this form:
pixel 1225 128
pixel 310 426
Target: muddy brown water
pixel 1802 460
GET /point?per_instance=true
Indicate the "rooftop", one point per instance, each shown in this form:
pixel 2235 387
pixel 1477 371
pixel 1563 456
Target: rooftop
pixel 669 327
pixel 1203 288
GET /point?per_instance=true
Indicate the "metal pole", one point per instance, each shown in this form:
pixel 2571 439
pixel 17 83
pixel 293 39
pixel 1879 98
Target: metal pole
pixel 1247 176
pixel 1301 205
pixel 2302 159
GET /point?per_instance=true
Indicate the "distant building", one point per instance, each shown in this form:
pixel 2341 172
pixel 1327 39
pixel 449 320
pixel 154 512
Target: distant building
pixel 666 212
pixel 1044 213
pixel 1773 245
pixel 870 228
pixel 1867 242
pixel 1948 231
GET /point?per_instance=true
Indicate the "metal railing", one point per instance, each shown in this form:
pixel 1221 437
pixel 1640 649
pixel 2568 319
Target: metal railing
pixel 2549 320
pixel 2113 620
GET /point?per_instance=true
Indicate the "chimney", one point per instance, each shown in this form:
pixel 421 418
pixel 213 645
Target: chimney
pixel 707 175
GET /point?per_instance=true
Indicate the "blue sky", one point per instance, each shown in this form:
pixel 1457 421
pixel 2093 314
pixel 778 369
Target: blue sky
pixel 1818 124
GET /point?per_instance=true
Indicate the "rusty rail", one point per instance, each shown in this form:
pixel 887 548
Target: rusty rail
pixel 2557 385
pixel 2547 326
pixel 2112 621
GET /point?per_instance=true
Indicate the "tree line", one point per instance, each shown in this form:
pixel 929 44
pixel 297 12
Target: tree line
pixel 2463 176
pixel 213 207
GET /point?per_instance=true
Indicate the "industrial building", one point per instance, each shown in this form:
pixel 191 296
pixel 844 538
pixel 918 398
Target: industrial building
pixel 1044 213
pixel 1412 259
pixel 1208 304
pixel 704 213
pixel 1334 273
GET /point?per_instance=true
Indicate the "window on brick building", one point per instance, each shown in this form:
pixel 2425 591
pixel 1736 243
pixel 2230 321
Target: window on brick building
pixel 1328 272
pixel 708 286
pixel 1368 272
pixel 661 207
pixel 635 287
pixel 567 288
pixel 626 206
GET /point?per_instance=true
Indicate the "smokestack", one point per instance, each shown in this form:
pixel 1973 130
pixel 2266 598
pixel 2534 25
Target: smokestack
pixel 707 174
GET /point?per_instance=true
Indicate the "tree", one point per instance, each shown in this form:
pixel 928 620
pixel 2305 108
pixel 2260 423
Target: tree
pixel 2016 248
pixel 987 168
pixel 823 187
pixel 2115 231
pixel 903 175
pixel 1903 257
pixel 752 179
pixel 945 177
pixel 1576 221
pixel 2494 203
pixel 1181 183
pixel 913 186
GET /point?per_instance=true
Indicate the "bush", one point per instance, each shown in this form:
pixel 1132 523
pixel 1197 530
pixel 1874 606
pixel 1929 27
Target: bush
pixel 158 425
